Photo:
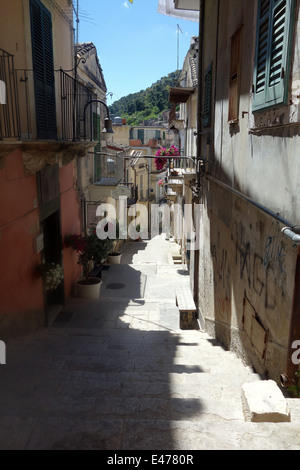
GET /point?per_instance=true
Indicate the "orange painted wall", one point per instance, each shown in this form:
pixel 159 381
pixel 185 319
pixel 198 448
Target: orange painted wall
pixel 70 220
pixel 18 193
pixel 20 290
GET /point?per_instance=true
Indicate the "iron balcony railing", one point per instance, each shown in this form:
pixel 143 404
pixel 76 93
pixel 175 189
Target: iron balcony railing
pixel 73 98
pixel 19 116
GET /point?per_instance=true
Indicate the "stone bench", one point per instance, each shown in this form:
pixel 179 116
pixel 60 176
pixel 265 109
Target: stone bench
pixel 187 308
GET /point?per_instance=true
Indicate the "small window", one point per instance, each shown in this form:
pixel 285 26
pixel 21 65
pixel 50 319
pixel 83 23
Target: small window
pixel 273 38
pixel 234 78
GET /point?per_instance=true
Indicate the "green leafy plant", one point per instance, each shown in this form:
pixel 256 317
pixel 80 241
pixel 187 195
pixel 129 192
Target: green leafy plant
pixel 52 275
pixel 116 228
pixel 90 249
pixel 295 389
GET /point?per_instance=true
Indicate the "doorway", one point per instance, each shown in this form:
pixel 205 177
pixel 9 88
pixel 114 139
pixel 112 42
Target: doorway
pixel 50 222
pixel 54 299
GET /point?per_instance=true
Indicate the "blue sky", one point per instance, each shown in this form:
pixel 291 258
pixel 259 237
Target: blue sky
pixel 136 45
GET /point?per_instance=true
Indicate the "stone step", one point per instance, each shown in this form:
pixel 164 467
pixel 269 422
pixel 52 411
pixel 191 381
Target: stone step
pixel 208 435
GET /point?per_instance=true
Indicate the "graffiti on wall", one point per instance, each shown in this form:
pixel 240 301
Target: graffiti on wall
pixel 275 249
pixel 261 269
pixel 259 263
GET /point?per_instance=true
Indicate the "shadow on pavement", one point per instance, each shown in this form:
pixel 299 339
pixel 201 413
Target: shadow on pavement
pixel 101 377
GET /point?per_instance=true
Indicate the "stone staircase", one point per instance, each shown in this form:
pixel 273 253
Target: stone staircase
pixel 118 374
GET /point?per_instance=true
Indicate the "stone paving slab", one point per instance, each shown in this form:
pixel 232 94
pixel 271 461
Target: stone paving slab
pixel 118 373
pixel 231 435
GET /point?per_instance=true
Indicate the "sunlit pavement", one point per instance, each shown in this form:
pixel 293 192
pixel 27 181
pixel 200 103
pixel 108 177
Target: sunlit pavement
pixel 118 373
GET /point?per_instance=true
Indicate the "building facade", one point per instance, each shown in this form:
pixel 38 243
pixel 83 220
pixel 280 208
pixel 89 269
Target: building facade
pixel 41 138
pixel 140 173
pixel 245 275
pixel 100 171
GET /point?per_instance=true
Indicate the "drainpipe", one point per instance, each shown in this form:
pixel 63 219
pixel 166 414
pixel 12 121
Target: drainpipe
pixel 288 378
pixel 135 195
pixel 199 140
pixel 200 93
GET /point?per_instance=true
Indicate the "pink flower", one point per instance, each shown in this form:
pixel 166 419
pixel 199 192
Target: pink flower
pixel 161 162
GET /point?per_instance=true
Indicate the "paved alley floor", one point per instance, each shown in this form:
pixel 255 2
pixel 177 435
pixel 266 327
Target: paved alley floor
pixel 118 374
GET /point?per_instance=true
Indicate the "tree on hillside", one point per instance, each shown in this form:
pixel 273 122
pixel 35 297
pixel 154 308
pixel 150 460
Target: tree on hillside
pixel 146 104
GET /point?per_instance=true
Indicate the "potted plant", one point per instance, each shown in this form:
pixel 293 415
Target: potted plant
pixel 52 275
pixel 161 161
pixel 91 251
pixel 114 256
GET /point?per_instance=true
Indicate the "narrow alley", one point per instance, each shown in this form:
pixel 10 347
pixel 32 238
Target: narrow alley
pixel 119 374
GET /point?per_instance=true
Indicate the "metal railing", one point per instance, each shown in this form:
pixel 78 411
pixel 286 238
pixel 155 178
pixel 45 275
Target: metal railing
pixel 73 98
pixel 18 119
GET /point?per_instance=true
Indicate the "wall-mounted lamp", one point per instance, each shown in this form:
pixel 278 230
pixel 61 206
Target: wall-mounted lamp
pixel 108 126
pixel 107 121
pixel 291 235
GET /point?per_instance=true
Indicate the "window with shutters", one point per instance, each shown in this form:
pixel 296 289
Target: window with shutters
pixel 141 135
pixel 43 67
pixel 207 97
pixel 157 135
pixel 273 42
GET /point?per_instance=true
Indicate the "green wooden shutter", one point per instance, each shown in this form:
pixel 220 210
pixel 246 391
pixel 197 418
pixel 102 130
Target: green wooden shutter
pixel 261 51
pixel 43 68
pixel 141 135
pixel 271 72
pixel 279 52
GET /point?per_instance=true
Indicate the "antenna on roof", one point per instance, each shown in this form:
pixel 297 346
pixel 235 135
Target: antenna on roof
pixel 178 29
pixel 77 23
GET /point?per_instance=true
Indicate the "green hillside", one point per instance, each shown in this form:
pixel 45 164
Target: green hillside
pixel 145 104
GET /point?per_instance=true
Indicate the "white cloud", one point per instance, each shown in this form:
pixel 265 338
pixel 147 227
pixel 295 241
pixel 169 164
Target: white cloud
pixel 125 4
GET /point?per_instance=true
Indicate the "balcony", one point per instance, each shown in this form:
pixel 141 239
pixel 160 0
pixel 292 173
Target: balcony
pixel 50 121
